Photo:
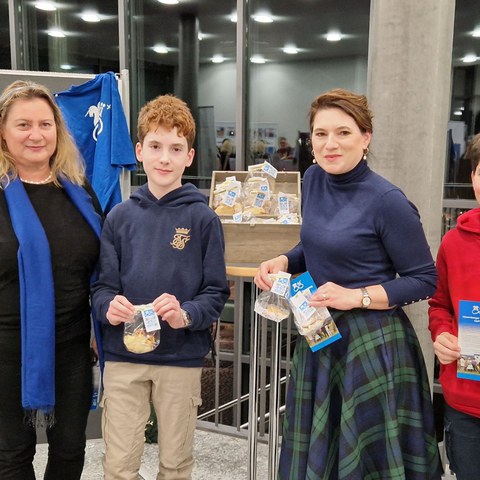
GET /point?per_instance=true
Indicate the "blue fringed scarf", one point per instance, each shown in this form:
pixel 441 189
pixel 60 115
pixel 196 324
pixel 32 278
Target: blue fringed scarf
pixel 37 296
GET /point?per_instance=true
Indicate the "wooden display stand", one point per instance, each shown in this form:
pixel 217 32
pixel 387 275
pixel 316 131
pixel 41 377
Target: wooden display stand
pixel 253 243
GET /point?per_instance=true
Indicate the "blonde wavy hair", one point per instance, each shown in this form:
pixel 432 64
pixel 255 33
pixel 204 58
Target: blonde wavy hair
pixel 66 161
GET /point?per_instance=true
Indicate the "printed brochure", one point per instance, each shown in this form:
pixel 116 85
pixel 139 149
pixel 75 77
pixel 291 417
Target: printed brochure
pixel 468 365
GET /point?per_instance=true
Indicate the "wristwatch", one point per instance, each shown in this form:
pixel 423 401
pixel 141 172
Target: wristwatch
pixel 366 300
pixel 187 319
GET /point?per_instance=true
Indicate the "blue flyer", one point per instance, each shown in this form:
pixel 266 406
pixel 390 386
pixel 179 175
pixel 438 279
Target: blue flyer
pixel 315 324
pixel 468 365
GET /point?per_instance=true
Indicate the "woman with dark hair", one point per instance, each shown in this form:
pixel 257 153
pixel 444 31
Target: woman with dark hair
pixel 49 229
pixel 360 407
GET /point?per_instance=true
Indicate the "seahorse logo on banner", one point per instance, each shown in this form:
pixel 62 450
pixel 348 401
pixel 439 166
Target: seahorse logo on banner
pixel 96 111
pixel 181 237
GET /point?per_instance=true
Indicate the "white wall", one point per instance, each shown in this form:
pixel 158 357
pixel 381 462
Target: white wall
pixel 281 93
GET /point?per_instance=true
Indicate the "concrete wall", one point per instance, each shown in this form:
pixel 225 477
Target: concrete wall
pixel 409 77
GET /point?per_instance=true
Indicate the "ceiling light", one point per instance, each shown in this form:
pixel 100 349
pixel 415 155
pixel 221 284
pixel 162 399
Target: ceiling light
pixel 471 57
pixel 257 59
pixel 233 17
pixel 476 32
pixel 290 49
pixel 200 36
pixel 263 17
pixel 47 6
pixel 218 59
pixel 66 66
pixel 458 113
pixel 168 2
pixel 91 17
pixel 333 36
pixel 160 49
pixel 56 32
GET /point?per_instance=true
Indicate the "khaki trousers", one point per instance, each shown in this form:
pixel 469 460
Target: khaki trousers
pixel 175 394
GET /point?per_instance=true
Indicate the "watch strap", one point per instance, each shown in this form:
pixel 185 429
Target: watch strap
pixel 187 319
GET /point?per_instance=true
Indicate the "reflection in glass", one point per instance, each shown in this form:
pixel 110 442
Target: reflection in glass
pixel 291 62
pixel 187 50
pixel 61 40
pixel 464 120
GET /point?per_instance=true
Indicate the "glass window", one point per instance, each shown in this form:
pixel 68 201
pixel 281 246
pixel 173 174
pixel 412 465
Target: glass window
pixel 5 61
pixel 465 103
pixel 297 51
pixel 77 36
pixel 187 50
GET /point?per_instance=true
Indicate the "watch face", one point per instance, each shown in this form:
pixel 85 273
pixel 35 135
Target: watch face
pixel 366 300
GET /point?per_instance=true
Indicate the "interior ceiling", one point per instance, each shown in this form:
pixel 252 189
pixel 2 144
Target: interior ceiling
pixel 301 22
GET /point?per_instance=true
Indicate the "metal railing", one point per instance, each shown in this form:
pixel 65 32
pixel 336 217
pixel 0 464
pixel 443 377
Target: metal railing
pixel 258 361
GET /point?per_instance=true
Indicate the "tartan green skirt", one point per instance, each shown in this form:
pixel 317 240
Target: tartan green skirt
pixel 360 408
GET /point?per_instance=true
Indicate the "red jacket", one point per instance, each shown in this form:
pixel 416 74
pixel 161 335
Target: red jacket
pixel 458 265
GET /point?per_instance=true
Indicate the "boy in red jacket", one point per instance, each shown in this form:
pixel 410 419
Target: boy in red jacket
pixel 458 265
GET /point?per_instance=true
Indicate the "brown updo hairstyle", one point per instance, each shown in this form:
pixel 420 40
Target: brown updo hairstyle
pixel 356 106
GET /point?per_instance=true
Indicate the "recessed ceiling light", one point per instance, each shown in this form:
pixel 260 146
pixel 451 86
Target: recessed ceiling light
pixel 47 6
pixel 168 2
pixel 91 17
pixel 257 59
pixel 471 57
pixel 56 32
pixel 263 17
pixel 290 49
pixel 218 59
pixel 160 49
pixel 333 36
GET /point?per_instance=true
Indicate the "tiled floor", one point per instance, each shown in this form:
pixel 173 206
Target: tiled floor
pixel 218 457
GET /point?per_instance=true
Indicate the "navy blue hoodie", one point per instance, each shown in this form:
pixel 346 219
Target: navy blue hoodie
pixel 172 245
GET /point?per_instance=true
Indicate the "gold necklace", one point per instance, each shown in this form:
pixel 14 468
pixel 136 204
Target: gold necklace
pixel 41 182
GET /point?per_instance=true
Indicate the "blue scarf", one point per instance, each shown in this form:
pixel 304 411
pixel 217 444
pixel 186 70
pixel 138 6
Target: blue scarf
pixel 37 296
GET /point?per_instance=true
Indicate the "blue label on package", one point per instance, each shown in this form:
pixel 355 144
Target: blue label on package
pixel 301 283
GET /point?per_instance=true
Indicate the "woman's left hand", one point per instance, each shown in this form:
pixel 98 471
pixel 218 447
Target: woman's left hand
pixel 332 295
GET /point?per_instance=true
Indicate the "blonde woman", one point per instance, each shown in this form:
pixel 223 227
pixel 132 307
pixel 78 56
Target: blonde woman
pixel 49 229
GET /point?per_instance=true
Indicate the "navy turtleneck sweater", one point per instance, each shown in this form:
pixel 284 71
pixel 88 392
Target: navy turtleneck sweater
pixel 359 230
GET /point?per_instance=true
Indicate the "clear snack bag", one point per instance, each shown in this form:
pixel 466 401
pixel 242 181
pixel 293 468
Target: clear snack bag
pixel 274 304
pixel 143 334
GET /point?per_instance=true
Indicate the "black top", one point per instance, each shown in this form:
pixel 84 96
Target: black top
pixel 74 249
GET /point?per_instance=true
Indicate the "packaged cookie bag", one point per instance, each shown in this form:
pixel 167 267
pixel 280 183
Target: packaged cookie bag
pixel 315 324
pixel 274 303
pixel 143 334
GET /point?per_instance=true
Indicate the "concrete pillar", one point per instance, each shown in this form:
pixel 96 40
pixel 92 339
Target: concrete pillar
pixel 409 78
pixel 188 60
pixel 188 67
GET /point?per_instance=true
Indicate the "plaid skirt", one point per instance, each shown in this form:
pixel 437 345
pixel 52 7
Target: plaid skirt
pixel 360 408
